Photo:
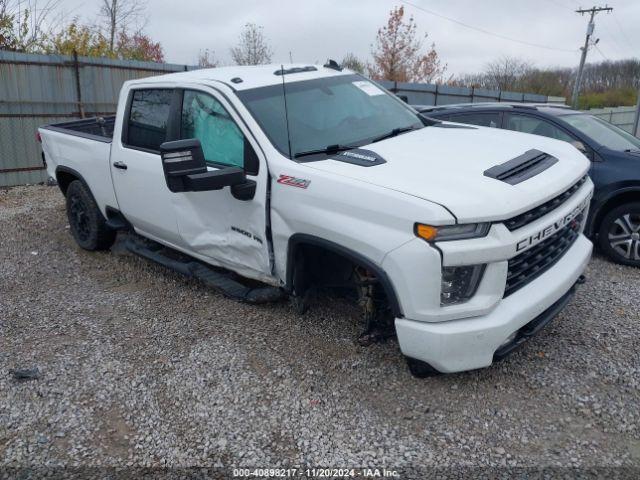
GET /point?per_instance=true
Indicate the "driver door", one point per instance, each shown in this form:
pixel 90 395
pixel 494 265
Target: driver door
pixel 225 230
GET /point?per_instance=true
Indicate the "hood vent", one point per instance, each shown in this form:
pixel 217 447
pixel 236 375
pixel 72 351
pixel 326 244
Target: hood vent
pixel 521 168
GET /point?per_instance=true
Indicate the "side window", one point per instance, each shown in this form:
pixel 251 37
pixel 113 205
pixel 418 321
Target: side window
pixel 536 126
pixel 487 119
pixel 204 118
pixel 148 117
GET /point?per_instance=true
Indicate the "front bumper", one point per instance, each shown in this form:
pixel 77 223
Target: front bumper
pixel 470 343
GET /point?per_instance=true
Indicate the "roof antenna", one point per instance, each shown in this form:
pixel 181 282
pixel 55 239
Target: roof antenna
pixel 286 110
pixel 333 65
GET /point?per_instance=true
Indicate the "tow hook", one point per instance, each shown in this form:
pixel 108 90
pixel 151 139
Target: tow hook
pixel 581 280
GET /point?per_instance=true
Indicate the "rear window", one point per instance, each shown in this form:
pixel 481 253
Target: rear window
pixel 148 117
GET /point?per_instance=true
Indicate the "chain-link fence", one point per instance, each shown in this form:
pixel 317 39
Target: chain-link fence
pixel 623 117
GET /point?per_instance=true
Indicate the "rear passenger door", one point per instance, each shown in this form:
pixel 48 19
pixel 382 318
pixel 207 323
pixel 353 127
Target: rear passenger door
pixel 136 168
pixel 521 122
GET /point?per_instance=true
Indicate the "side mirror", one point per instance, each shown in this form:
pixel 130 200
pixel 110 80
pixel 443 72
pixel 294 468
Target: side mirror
pixel 185 169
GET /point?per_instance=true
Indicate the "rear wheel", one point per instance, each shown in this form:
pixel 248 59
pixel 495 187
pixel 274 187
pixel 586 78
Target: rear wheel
pixel 619 234
pixel 87 224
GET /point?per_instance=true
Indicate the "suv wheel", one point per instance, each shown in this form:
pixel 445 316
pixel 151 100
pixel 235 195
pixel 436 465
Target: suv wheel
pixel 619 234
pixel 87 224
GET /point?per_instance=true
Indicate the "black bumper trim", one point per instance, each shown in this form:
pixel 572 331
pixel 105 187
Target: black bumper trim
pixel 534 326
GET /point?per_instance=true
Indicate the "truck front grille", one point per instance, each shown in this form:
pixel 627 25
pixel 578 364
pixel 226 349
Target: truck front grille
pixel 541 210
pixel 530 264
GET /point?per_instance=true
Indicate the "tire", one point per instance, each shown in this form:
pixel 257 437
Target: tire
pixel 420 369
pixel 619 234
pixel 88 225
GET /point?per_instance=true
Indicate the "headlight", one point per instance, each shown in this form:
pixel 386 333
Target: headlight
pixel 451 232
pixel 459 284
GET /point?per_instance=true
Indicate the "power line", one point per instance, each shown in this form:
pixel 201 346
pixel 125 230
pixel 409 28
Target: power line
pixel 487 32
pixel 614 38
pixel 600 52
pixel 624 34
pixel 561 5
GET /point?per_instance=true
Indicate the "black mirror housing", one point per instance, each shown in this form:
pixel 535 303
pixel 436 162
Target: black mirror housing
pixel 179 159
pixel 185 168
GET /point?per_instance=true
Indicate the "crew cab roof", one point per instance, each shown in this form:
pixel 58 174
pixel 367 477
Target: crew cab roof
pixel 247 77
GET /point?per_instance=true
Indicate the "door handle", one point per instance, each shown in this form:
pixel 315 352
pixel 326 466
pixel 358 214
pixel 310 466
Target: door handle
pixel 120 165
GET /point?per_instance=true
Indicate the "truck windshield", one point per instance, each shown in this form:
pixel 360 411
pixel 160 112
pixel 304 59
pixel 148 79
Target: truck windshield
pixel 344 111
pixel 603 132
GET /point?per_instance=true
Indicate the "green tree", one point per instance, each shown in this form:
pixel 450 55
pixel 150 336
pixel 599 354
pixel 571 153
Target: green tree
pixel 85 40
pixel 22 28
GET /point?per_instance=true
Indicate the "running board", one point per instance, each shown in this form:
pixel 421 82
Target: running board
pixel 212 278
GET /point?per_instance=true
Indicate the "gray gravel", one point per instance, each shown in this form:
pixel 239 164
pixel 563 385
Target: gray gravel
pixel 138 366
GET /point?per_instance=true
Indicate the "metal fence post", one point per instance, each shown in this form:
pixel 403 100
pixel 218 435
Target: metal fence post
pixel 636 121
pixel 76 68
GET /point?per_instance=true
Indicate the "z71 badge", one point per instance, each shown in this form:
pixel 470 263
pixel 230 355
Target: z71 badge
pixel 293 181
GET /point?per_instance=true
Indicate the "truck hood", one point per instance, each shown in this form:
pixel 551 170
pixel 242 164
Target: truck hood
pixel 445 164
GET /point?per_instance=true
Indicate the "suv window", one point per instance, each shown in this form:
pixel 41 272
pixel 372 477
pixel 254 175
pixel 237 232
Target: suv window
pixel 485 119
pixel 204 118
pixel 148 117
pixel 535 126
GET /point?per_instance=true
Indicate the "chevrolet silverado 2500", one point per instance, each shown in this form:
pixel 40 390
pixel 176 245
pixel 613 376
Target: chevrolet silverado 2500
pixel 466 240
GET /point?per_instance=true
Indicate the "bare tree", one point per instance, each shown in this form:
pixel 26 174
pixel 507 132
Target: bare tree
pixel 352 62
pixel 119 15
pixel 252 48
pixel 25 24
pixel 506 72
pixel 207 59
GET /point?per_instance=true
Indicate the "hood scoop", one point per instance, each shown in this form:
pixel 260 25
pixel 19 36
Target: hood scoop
pixel 522 167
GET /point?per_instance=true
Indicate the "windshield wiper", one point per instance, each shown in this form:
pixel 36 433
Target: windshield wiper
pixel 394 133
pixel 327 150
pixel 341 148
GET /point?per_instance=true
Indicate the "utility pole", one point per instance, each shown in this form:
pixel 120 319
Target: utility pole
pixel 587 44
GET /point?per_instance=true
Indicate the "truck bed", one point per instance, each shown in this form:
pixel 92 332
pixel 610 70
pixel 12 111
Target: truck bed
pixel 95 128
pixel 82 147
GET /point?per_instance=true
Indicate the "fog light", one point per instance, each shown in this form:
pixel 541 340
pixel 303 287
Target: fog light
pixel 459 284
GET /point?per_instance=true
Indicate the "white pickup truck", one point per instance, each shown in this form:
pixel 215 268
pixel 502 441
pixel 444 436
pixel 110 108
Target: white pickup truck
pixel 466 240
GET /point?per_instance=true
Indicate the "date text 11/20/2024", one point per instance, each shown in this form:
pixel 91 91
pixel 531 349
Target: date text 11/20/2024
pixel 316 472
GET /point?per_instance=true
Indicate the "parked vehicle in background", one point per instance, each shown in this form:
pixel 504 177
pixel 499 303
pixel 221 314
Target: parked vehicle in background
pixel 305 177
pixel 614 218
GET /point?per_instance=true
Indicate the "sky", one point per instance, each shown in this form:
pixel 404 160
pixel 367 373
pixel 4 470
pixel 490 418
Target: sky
pixel 315 30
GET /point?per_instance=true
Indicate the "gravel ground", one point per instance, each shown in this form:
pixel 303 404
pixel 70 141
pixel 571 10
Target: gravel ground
pixel 141 367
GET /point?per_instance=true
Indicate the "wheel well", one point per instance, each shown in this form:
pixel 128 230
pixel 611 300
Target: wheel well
pixel 64 179
pixel 316 262
pixel 610 204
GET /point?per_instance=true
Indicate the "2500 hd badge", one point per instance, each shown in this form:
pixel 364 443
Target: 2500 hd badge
pixel 553 228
